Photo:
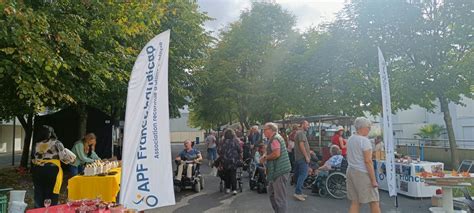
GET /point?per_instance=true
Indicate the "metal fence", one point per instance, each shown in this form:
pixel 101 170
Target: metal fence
pixel 442 143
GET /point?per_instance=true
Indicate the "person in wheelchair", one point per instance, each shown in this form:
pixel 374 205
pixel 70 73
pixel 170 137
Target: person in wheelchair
pixel 189 158
pixel 322 174
pixel 335 161
pixel 258 179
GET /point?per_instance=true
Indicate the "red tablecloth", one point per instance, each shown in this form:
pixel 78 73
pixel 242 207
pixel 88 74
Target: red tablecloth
pixel 56 209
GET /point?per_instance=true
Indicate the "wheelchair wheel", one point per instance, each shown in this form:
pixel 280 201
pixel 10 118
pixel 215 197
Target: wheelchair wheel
pixel 308 183
pixel 260 188
pixel 336 185
pixel 322 192
pixel 252 184
pixel 197 186
pixel 177 189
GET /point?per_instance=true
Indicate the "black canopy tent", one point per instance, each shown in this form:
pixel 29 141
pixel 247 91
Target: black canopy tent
pixel 66 126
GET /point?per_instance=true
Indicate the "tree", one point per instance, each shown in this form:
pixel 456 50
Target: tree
pixel 28 68
pixel 239 71
pixel 81 53
pixel 429 50
pixel 431 131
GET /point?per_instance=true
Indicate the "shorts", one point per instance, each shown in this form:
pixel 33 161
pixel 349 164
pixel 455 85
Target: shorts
pixel 359 187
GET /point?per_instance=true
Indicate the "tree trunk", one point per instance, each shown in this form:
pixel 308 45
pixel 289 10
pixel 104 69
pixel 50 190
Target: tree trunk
pixel 28 127
pixel 449 127
pixel 81 110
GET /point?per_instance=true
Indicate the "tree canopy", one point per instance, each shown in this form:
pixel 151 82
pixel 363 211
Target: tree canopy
pixel 262 70
pixel 56 54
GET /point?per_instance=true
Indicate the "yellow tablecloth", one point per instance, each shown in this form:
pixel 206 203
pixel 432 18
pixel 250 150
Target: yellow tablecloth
pixel 90 187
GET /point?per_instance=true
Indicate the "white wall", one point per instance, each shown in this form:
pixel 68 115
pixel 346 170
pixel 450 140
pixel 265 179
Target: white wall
pixel 6 137
pixel 407 122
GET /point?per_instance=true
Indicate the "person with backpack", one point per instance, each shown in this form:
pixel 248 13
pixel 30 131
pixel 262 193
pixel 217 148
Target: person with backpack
pixel 231 153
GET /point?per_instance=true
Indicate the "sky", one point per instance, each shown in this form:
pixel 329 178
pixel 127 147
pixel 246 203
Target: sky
pixel 307 12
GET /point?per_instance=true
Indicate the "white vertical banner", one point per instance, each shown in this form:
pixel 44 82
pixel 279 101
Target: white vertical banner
pixel 387 126
pixel 147 174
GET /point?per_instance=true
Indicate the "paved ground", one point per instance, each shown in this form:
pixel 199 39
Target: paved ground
pixel 211 200
pixel 6 159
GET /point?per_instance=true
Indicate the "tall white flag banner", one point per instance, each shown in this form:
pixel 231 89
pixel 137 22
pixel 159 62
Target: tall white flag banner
pixel 147 174
pixel 387 126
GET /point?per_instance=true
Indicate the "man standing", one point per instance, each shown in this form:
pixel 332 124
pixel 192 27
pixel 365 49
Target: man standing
pixel 211 148
pixel 278 168
pixel 254 136
pixel 302 159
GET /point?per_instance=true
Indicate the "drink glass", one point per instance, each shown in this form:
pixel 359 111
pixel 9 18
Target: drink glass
pixel 98 199
pixel 101 208
pixel 69 204
pixel 47 203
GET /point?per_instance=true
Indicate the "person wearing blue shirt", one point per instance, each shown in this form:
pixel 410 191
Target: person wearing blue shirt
pixel 333 162
pixel 188 154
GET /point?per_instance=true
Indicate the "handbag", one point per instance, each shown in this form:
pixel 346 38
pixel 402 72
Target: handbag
pixel 65 155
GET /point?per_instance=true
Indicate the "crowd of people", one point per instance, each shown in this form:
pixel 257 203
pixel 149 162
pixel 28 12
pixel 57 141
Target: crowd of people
pixel 274 152
pixel 280 154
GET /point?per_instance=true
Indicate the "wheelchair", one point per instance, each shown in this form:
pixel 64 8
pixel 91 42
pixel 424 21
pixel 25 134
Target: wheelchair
pixel 196 182
pixel 258 179
pixel 333 183
pixel 221 175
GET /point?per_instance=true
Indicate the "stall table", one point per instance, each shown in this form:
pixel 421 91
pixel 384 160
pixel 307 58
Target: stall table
pixel 408 181
pixel 91 187
pixel 63 208
pixel 447 183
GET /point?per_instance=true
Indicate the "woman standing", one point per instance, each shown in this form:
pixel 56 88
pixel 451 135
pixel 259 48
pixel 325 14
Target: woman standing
pixel 84 150
pixel 362 186
pixel 338 140
pixel 46 170
pixel 231 153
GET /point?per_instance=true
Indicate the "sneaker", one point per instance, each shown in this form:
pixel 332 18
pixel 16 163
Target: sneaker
pixel 303 195
pixel 227 191
pixel 299 197
pixel 234 192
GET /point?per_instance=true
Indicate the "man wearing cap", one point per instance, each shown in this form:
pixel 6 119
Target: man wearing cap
pixel 338 140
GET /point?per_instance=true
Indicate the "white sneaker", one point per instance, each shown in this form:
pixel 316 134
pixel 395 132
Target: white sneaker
pixel 299 197
pixel 227 191
pixel 234 192
pixel 303 195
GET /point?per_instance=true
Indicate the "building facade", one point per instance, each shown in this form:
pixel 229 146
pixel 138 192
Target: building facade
pixel 407 123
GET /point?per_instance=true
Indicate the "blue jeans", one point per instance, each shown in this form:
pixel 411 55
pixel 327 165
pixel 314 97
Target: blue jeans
pixel 211 153
pixel 301 172
pixel 75 169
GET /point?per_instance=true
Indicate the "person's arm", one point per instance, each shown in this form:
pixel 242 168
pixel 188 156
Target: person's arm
pixel 79 150
pixel 370 167
pixel 303 150
pixel 178 157
pixel 199 158
pixel 342 142
pixel 275 150
pixel 300 140
pixel 95 156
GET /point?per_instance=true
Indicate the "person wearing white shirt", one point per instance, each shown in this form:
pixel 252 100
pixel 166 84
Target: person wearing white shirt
pixel 362 186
